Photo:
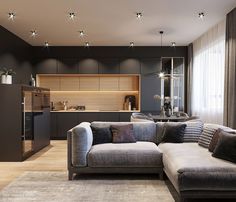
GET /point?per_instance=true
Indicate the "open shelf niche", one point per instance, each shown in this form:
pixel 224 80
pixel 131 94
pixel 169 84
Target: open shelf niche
pixel 97 92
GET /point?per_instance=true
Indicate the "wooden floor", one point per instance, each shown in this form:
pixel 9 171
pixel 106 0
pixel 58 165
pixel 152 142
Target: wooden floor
pixel 51 158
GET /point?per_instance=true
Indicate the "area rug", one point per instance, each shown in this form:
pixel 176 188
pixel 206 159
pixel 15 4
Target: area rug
pixel 54 186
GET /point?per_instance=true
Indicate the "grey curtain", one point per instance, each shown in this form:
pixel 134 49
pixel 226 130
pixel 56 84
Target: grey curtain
pixel 230 71
pixel 189 78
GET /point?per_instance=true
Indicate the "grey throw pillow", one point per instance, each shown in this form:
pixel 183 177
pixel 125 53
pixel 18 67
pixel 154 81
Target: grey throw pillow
pixel 123 133
pixel 173 133
pixel 226 147
pixel 101 135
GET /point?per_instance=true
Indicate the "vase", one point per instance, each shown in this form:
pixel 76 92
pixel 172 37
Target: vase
pixel 7 79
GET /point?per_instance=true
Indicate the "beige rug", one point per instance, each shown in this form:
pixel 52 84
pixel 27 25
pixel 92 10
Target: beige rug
pixel 54 186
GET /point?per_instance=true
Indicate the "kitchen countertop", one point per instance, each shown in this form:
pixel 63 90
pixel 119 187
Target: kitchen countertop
pixel 79 111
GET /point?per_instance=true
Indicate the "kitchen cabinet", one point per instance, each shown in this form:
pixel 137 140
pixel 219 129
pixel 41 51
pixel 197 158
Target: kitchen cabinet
pixel 109 66
pixel 130 66
pixel 88 66
pixel 109 116
pixel 53 126
pixel 150 65
pixel 67 66
pixel 151 85
pixel 65 121
pixel 45 66
pixel 125 116
pixel 88 117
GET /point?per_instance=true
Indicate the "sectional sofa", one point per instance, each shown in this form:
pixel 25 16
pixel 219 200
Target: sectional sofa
pixel 190 167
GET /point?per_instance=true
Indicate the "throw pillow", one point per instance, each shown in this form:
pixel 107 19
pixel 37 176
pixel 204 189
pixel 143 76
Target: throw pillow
pixel 101 135
pixel 173 133
pixel 214 140
pixel 123 134
pixel 226 147
pixel 208 132
pixel 193 130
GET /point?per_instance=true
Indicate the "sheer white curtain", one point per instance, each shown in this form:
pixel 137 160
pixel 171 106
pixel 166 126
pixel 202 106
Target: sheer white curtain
pixel 208 75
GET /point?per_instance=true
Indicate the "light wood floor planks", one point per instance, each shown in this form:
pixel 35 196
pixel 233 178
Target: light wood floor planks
pixel 51 158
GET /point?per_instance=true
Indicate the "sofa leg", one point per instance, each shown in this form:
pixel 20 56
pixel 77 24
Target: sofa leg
pixel 70 175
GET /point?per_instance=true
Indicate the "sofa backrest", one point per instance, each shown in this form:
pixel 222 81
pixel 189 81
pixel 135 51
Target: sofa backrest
pixel 143 131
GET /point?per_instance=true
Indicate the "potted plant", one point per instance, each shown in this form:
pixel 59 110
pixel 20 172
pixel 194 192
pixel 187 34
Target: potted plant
pixel 6 75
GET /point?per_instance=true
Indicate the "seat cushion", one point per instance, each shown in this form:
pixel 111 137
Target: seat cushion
pixel 139 154
pixel 191 167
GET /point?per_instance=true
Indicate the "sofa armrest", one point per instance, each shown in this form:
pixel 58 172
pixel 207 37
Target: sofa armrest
pixel 80 139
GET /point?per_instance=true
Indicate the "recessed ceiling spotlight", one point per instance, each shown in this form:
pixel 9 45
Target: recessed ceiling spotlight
pixel 71 15
pixel 201 15
pixel 46 44
pixel 173 44
pixel 86 44
pixel 33 33
pixel 131 44
pixel 139 15
pixel 81 33
pixel 11 16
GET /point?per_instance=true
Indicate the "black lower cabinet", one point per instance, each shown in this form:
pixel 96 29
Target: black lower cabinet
pixel 62 122
pixel 125 117
pixel 65 121
pixel 41 129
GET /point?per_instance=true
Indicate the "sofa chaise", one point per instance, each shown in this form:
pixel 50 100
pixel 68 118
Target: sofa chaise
pixel 190 167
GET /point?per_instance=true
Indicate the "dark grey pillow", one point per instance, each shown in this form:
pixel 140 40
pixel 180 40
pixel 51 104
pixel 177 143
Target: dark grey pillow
pixel 173 133
pixel 226 147
pixel 123 134
pixel 101 135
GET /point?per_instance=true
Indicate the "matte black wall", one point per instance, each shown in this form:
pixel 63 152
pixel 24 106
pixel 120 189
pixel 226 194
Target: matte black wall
pixel 15 54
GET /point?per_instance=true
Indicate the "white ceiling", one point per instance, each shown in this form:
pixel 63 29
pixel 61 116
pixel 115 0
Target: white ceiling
pixel 112 22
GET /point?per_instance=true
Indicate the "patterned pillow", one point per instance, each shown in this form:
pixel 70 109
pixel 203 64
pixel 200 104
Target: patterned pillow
pixel 208 132
pixel 193 130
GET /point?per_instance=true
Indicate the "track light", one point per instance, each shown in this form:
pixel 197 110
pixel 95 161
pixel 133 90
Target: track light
pixel 173 44
pixel 201 15
pixel 72 15
pixel 11 16
pixel 131 44
pixel 46 44
pixel 81 33
pixel 33 33
pixel 139 15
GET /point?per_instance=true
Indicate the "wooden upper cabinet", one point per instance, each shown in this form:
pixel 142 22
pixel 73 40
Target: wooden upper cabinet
pixel 130 66
pixel 45 66
pixel 68 66
pixel 150 65
pixel 87 83
pixel 109 66
pixel 109 83
pixel 51 82
pixel 88 66
pixel 69 83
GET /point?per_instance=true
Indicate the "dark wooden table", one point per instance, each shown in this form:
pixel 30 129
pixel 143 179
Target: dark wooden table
pixel 166 118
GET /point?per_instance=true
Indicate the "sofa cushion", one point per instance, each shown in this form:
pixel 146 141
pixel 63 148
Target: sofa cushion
pixel 101 135
pixel 208 132
pixel 191 167
pixel 226 147
pixel 139 154
pixel 143 131
pixel 123 134
pixel 193 130
pixel 173 133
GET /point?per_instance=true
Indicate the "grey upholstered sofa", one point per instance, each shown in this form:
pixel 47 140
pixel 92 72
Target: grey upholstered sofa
pixel 141 157
pixel 191 169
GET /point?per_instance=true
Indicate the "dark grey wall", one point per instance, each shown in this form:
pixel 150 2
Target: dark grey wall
pixel 121 60
pixel 15 54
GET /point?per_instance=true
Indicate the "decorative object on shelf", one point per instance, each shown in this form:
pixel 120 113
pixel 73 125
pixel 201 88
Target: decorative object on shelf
pixel 6 75
pixel 130 102
pixel 32 81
